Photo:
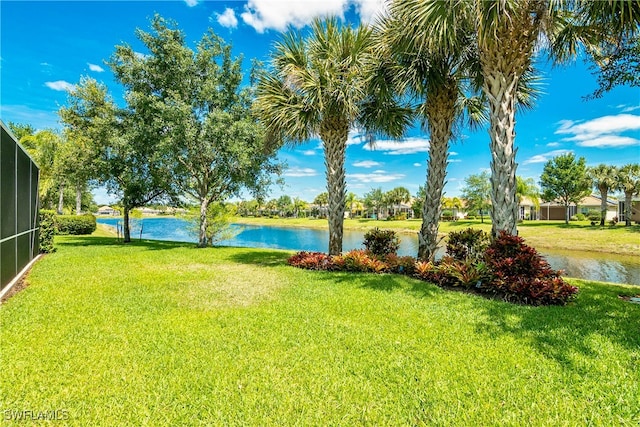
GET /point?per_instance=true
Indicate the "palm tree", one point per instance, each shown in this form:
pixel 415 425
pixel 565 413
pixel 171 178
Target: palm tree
pixel 507 35
pixel 437 81
pixel 604 179
pixel 527 188
pixel 629 183
pixel 317 87
pixel 350 201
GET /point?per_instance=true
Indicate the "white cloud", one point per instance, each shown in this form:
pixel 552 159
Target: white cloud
pixel 59 85
pixel 453 153
pixel 417 165
pixel 553 144
pixel 228 18
pixel 96 68
pixel 630 108
pixel 605 141
pixel 263 15
pixel 191 3
pixel 543 158
pixel 366 164
pixel 375 177
pixel 300 172
pixel 406 146
pixel 309 152
pixel 602 132
pixel 267 14
pixel 454 161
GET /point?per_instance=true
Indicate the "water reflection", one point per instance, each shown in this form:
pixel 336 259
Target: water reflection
pixel 584 265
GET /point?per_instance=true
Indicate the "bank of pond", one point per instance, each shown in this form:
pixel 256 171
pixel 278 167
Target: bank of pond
pixel 583 265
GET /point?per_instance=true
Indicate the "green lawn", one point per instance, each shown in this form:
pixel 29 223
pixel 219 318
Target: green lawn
pixel 579 236
pixel 157 333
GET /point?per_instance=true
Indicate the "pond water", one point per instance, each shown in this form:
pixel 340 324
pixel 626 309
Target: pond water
pixel 583 265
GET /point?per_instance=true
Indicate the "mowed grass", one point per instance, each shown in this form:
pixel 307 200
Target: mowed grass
pixel 158 333
pixel 577 236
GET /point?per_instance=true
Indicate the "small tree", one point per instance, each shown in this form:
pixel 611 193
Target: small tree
pixel 565 179
pixel 477 193
pixel 374 200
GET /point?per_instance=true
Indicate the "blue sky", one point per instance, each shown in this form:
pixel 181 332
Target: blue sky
pixel 47 46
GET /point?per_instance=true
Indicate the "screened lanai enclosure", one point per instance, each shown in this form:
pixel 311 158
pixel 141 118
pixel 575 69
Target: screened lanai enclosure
pixel 18 209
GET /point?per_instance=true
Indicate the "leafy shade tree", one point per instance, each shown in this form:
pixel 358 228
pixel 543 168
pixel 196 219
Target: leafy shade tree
pixel 564 179
pixel 477 193
pixel 129 160
pixel 374 200
pixel 629 183
pixel 318 87
pixel 604 179
pixel 195 103
pixel 418 202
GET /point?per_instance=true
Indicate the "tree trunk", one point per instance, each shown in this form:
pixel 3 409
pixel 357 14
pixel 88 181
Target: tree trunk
pixel 61 199
pixel 78 200
pixel 504 57
pixel 126 231
pixel 334 137
pixel 202 232
pixel 604 192
pixel 440 116
pixel 566 215
pixel 627 208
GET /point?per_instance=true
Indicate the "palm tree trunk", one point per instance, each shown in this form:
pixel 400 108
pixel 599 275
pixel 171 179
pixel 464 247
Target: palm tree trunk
pixel 440 113
pixel 334 137
pixel 604 192
pixel 627 208
pixel 504 59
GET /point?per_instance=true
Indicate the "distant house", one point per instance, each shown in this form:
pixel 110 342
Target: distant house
pixel 527 210
pixel 556 211
pixel 635 210
pixel 107 210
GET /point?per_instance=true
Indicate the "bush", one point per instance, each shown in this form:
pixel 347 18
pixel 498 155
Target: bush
pixel 593 215
pixel 613 221
pixel 400 264
pixel 76 224
pixel 311 261
pixel 522 275
pixel 467 244
pixel 580 217
pixel 381 242
pixel 574 218
pixel 359 260
pixel 47 231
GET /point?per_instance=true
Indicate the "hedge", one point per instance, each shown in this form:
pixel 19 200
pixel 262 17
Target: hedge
pixel 76 224
pixel 47 231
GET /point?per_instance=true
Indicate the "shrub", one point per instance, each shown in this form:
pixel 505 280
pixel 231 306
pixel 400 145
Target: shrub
pixel 593 215
pixel 522 275
pixel 381 242
pixel 470 217
pixel 580 217
pixel 467 244
pixel 47 231
pixel 361 261
pixel 311 261
pixel 401 265
pixel 470 272
pixel 76 224
pixel 573 218
pixel 613 220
